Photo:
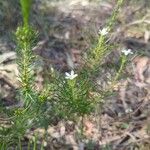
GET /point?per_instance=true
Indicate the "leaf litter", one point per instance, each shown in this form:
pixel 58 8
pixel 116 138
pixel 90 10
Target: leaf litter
pixel 125 116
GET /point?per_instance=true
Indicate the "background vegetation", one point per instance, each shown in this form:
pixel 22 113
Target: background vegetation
pixel 46 93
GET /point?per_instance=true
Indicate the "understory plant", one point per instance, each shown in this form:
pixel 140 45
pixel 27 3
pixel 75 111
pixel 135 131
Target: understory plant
pixel 70 96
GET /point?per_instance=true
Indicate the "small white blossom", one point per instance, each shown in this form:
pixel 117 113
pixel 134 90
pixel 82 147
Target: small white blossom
pixel 104 31
pixel 129 110
pixel 52 69
pixel 127 52
pixel 70 76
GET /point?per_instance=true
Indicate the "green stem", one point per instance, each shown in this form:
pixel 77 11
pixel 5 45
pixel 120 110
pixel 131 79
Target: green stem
pixel 124 59
pixel 20 148
pixel 28 146
pixel 35 142
pixel 25 7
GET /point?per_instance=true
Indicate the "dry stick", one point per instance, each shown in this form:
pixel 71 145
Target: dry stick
pixel 122 95
pixel 122 29
pixel 99 119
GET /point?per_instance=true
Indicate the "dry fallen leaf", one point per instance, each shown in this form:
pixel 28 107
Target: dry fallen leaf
pixel 146 36
pixel 71 140
pixel 122 94
pixel 89 126
pixel 141 66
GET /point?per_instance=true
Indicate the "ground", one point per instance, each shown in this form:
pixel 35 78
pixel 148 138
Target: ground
pixel 68 29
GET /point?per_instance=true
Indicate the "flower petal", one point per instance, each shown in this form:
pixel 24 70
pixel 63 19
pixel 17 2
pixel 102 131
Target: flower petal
pixel 72 72
pixel 67 77
pixel 127 52
pixel 67 74
pixel 70 76
pixel 75 75
pixel 104 31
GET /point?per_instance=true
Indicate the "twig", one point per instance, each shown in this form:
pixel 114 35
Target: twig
pixel 6 56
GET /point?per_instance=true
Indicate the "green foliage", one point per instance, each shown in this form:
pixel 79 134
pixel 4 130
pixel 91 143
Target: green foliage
pixel 72 97
pixel 25 117
pixel 121 68
pixel 102 48
pixel 112 20
pixel 69 98
pixel 25 37
pixel 25 7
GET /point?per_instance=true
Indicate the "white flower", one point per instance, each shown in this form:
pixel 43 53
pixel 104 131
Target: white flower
pixel 52 69
pixel 127 52
pixel 129 110
pixel 104 31
pixel 70 76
